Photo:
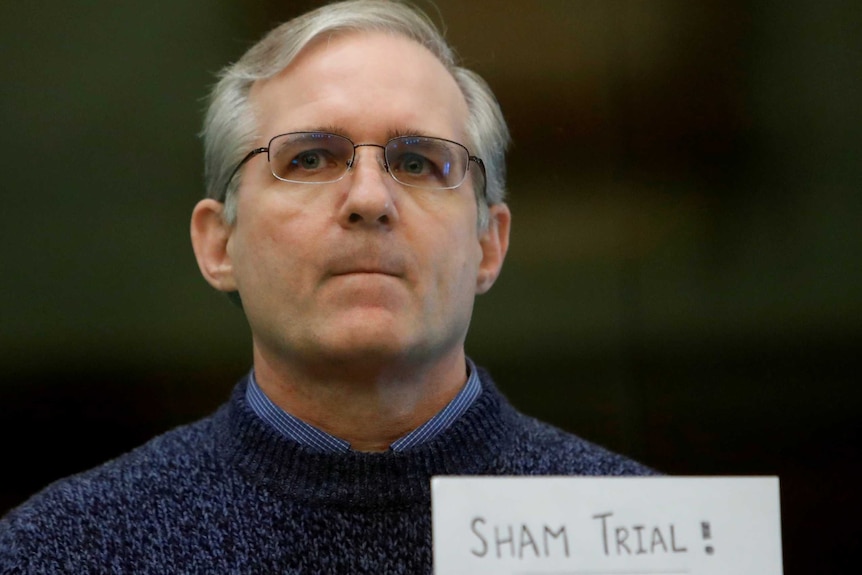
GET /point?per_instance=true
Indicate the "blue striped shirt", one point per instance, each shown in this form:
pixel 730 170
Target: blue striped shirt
pixel 317 439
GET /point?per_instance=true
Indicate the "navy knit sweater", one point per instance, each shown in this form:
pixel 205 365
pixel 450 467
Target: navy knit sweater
pixel 228 494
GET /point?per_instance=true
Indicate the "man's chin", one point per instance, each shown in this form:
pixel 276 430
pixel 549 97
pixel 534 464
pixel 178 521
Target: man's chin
pixel 371 345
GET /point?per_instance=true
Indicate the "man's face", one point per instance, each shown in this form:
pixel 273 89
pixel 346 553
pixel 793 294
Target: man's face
pixel 363 271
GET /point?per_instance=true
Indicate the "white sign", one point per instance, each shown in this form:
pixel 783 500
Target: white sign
pixel 606 525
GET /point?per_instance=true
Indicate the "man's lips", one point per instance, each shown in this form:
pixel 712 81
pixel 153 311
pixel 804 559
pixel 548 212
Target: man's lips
pixel 363 264
pixel 365 271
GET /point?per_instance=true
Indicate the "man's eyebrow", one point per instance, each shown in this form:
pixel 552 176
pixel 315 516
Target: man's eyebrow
pixel 342 131
pixel 328 128
pixel 400 132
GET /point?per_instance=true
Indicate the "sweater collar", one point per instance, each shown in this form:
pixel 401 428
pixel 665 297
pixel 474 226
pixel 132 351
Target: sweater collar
pixel 469 446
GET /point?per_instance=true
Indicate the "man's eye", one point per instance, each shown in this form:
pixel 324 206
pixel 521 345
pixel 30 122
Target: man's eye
pixel 413 164
pixel 308 160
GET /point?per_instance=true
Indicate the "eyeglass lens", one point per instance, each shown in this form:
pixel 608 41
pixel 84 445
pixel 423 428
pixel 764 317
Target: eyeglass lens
pixel 318 157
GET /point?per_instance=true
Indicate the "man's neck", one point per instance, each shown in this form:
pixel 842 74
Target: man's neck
pixel 367 406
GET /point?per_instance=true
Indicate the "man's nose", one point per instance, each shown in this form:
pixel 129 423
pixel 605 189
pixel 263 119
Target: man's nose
pixel 371 197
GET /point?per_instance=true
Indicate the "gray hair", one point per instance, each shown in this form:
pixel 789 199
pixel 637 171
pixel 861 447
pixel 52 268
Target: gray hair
pixel 230 127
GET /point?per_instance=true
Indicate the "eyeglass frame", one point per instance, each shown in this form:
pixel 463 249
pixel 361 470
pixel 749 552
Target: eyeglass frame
pixel 257 151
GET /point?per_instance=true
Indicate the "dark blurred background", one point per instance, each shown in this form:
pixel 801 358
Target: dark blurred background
pixel 683 283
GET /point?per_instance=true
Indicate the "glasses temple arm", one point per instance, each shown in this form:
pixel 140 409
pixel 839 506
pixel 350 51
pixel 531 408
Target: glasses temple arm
pixel 247 157
pixel 481 165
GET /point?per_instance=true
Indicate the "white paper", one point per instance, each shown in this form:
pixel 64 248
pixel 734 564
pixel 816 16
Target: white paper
pixel 606 526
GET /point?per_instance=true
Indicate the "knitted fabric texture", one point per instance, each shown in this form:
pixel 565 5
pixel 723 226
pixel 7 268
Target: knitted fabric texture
pixel 228 494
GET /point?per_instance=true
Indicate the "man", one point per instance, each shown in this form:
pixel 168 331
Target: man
pixel 354 209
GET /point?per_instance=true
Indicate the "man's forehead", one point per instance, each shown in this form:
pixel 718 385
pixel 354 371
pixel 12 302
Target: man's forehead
pixel 365 73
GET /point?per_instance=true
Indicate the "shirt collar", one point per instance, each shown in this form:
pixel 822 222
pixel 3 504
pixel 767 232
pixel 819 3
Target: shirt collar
pixel 314 438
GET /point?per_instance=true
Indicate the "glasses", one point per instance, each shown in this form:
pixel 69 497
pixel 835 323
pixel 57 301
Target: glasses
pixel 323 158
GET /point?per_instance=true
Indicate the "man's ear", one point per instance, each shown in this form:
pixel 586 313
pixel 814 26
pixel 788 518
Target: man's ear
pixel 494 242
pixel 210 234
